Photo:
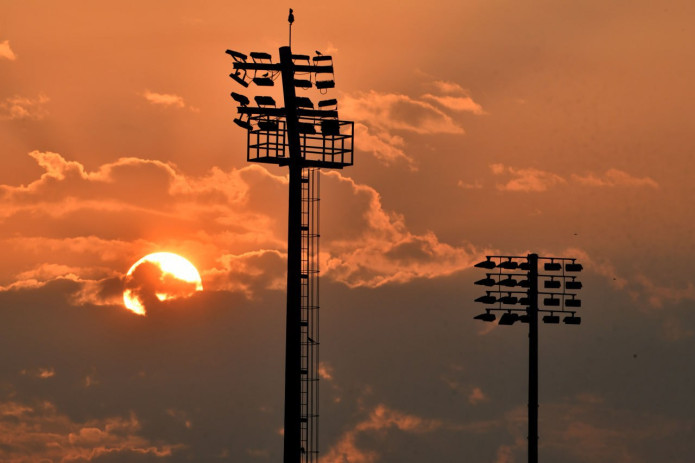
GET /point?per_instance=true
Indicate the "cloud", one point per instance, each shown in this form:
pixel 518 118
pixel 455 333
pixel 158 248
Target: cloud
pixel 164 99
pixel 149 283
pixel 614 178
pixel 590 430
pixel 456 103
pixel 375 247
pixel 6 52
pixel 380 419
pixel 394 111
pixel 382 119
pixel 384 146
pixel 526 180
pixel 89 226
pixel 249 272
pixel 536 180
pixel 658 294
pixel 477 185
pixel 40 373
pixel 476 396
pixel 24 108
pixel 38 433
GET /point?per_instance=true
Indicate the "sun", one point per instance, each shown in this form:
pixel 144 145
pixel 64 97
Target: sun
pixel 163 275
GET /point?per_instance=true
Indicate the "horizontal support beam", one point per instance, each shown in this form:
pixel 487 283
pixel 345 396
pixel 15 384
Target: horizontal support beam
pixel 278 67
pixel 253 111
pixel 258 66
pixel 280 112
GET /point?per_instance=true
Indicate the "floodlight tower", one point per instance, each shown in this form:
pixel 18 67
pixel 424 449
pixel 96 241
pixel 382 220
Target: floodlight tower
pixel 304 138
pixel 559 288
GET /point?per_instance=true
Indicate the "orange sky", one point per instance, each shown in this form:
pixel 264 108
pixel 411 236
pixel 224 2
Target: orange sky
pixel 559 128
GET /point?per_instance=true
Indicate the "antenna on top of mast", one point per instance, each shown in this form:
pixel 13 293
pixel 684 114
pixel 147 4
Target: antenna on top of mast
pixel 290 18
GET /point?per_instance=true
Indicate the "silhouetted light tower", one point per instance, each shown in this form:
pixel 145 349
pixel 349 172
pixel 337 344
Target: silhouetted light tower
pixel 514 290
pixel 304 138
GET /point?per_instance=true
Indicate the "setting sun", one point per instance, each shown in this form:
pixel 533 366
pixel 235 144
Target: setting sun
pixel 169 276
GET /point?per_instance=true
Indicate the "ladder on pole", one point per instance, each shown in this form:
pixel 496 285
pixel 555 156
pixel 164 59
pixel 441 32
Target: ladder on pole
pixel 309 434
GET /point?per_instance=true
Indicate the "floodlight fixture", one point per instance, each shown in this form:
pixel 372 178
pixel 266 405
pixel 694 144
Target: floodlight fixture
pixel 486 281
pixel 241 99
pixel 572 320
pixel 330 127
pixel 486 317
pixel 326 103
pixel 263 81
pixel 551 302
pixel 509 300
pixel 236 55
pixel 573 284
pixel 551 319
pixel 552 284
pixel 264 100
pixel 524 266
pixel 508 265
pixel 325 84
pixel 261 56
pixel 573 267
pixel 525 318
pixel 304 102
pixel 487 299
pixel 306 127
pixel 268 125
pixel 243 124
pixel 552 266
pixel 573 302
pixel 508 318
pixel 488 264
pixel 525 283
pixel 302 83
pixel 239 78
pixel 509 282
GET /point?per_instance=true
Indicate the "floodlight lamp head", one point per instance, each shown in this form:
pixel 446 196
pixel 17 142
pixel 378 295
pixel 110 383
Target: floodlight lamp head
pixel 241 99
pixel 572 320
pixel 508 265
pixel 573 267
pixel 551 319
pixel 243 124
pixel 508 318
pixel 487 264
pixel 487 299
pixel 486 281
pixel 236 55
pixel 486 317
pixel 552 266
pixel 239 79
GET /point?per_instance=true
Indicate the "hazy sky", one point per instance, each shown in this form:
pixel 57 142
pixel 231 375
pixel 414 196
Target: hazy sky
pixel 563 128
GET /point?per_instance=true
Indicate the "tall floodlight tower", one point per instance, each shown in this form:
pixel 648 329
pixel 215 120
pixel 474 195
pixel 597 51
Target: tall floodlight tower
pixel 514 288
pixel 304 137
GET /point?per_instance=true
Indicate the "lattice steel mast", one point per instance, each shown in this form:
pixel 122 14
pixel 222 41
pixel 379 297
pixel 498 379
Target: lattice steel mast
pixel 314 138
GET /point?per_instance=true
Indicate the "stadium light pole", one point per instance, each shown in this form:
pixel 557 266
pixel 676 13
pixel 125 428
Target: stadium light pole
pixel 315 138
pixel 561 291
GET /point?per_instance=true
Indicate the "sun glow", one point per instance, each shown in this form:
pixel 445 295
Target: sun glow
pixel 175 277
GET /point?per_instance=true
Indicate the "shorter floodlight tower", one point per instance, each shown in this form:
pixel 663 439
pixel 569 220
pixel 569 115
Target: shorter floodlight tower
pixel 513 284
pixel 304 138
